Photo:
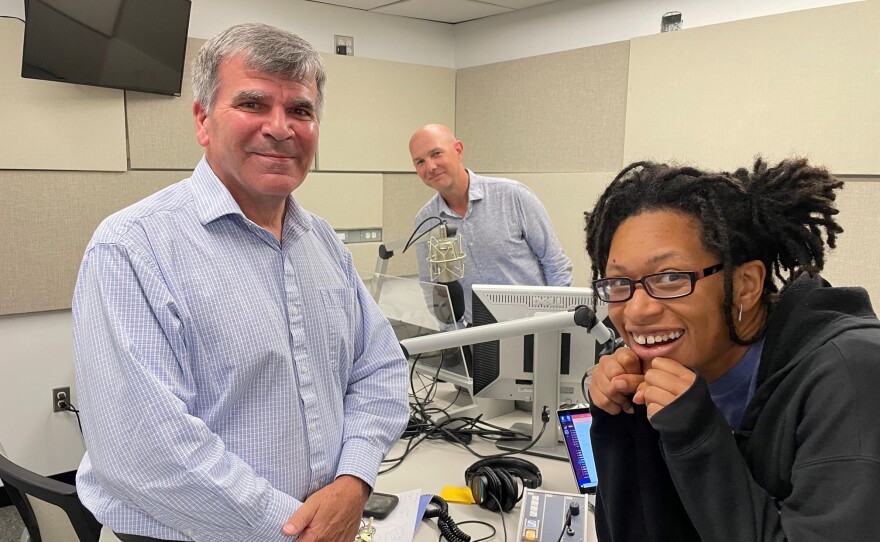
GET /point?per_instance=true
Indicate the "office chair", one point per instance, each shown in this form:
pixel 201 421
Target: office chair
pixel 50 509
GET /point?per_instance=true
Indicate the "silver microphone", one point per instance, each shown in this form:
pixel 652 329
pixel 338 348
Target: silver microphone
pixel 446 257
pixel 447 266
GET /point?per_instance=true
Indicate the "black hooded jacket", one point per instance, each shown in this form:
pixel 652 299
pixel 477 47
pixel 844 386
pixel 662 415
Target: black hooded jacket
pixel 805 464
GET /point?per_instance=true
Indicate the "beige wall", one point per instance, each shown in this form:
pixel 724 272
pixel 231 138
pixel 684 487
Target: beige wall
pixel 712 96
pixel 563 112
pixel 46 125
pixel 373 106
pixel 49 216
pixel 802 83
pixel 855 260
pixel 805 82
pixel 562 123
pixel 404 194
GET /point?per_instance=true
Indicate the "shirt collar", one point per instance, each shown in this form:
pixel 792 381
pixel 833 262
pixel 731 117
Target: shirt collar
pixel 475 186
pixel 475 193
pixel 212 198
pixel 214 201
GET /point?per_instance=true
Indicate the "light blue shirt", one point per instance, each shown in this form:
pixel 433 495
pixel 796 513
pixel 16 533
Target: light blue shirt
pixel 507 237
pixel 224 376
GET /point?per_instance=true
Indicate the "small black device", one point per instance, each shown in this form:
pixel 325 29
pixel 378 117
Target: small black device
pixel 379 505
pixel 493 481
pixel 576 423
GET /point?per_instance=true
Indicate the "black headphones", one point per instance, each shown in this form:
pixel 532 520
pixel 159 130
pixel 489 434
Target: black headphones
pixel 496 477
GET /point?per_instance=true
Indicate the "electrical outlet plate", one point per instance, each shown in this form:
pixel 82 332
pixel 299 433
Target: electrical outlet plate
pixel 344 45
pixel 57 396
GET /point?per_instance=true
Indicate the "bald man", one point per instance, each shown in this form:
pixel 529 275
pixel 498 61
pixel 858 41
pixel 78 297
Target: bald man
pixel 507 234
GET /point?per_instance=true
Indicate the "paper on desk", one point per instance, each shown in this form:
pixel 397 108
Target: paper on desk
pixel 398 526
pixel 424 501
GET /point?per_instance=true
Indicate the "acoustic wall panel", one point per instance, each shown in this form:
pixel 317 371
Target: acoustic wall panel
pixel 372 107
pixel 364 255
pixel 161 129
pixel 48 219
pixel 404 196
pixel 58 126
pixel 345 200
pixel 854 261
pixel 799 83
pixel 560 112
pixel 566 196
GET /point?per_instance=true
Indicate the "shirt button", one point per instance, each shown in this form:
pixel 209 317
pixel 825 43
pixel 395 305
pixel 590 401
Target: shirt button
pixel 313 427
pixel 304 369
pixel 294 311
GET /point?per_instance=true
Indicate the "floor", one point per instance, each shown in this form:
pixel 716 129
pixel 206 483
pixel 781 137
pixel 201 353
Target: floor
pixel 11 526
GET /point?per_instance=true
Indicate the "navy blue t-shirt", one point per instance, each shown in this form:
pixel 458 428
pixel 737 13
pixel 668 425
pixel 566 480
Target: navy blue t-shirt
pixel 733 391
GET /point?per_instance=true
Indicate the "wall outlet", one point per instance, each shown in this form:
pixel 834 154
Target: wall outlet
pixel 344 45
pixel 60 399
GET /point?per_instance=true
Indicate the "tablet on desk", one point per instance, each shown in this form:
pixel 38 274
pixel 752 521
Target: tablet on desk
pixel 576 423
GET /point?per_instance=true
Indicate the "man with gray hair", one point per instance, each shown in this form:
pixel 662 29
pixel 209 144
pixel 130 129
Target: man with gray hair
pixel 236 380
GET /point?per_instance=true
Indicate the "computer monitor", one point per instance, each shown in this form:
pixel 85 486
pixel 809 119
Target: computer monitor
pixel 547 368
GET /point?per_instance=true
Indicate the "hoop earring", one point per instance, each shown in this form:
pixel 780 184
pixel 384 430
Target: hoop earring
pixel 740 319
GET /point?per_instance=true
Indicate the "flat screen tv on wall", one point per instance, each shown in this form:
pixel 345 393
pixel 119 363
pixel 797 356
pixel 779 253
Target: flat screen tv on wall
pixel 125 44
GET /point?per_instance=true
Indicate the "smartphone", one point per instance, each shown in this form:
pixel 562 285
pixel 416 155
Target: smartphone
pixel 576 423
pixel 379 505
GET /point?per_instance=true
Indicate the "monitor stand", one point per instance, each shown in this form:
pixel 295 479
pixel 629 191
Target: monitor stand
pixel 545 393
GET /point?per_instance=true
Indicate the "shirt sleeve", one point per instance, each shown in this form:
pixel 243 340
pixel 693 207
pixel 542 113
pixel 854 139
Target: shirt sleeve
pixel 635 499
pixel 376 403
pixel 540 236
pixel 135 389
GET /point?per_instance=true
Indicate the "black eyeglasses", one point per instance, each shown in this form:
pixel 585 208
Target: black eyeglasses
pixel 668 285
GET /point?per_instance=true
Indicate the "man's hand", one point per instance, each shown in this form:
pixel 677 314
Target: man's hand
pixel 664 382
pixel 615 380
pixel 331 514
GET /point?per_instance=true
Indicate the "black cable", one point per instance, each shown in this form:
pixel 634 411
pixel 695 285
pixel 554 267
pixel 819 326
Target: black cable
pixel 11 17
pixel 463 434
pixel 68 406
pixel 501 512
pixel 478 522
pixel 584 387
pixel 565 526
pixel 410 241
pixel 422 427
pixel 447 526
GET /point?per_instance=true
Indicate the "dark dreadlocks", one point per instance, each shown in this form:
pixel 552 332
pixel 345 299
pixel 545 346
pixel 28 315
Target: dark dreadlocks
pixel 772 214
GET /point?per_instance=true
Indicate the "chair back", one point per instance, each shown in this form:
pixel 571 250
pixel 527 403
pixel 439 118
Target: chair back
pixel 51 510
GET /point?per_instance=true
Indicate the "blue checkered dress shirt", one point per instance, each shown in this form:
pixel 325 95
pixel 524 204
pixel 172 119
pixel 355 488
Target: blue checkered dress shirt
pixel 224 376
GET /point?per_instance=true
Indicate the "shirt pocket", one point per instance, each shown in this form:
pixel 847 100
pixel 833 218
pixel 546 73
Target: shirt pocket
pixel 340 310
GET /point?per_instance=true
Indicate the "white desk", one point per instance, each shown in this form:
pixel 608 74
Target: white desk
pixel 438 463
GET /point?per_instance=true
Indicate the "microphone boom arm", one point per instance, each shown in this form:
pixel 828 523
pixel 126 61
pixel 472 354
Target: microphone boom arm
pixel 581 316
pixel 545 394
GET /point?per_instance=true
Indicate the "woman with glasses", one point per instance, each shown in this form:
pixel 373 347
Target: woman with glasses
pixel 745 405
